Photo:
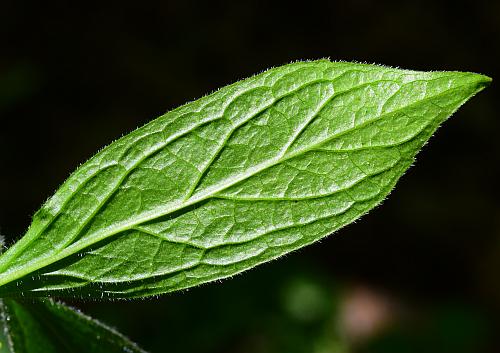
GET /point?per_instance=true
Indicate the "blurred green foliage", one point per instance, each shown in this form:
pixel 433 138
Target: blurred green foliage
pixel 291 306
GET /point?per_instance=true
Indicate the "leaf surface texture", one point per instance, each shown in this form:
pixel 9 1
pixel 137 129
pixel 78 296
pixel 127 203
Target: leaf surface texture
pixel 240 177
pixel 46 326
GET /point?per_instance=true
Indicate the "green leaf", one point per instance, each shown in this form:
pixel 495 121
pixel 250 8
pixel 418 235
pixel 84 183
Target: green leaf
pixel 237 178
pixel 46 326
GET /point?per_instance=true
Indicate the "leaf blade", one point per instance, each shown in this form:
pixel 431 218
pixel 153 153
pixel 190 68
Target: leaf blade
pixel 48 326
pixel 280 144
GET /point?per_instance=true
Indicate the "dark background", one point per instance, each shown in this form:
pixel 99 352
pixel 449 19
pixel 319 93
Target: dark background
pixel 419 274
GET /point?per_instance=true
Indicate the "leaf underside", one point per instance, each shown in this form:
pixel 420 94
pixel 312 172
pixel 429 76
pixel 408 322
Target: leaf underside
pixel 46 326
pixel 237 178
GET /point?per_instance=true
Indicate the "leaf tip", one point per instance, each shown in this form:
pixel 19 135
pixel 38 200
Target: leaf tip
pixel 480 81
